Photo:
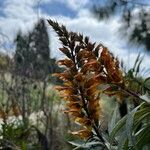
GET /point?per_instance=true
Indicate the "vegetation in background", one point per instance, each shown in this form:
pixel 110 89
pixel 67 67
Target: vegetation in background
pixel 32 57
pixel 29 105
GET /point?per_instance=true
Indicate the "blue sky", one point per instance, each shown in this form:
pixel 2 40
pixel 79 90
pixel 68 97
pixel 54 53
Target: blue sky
pixel 21 15
pixel 57 8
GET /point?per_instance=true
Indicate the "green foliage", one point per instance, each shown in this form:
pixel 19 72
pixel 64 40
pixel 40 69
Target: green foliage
pixel 4 62
pixel 135 82
pixel 16 136
pixel 35 103
pixel 80 145
pixel 134 128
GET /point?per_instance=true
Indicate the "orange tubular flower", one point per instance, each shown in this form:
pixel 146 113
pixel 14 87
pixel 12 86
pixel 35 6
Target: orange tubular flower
pixel 85 70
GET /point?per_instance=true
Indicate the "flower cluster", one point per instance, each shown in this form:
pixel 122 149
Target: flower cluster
pixel 87 66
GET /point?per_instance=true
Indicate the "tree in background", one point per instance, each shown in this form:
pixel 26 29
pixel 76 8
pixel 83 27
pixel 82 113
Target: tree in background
pixel 135 18
pixel 22 58
pixel 39 44
pixel 32 56
pixel 23 97
pixel 24 92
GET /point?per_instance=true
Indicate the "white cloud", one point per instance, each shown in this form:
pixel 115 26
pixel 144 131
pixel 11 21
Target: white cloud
pixel 73 4
pixel 21 14
pixel 18 15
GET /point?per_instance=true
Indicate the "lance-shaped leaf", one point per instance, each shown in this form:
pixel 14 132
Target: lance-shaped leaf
pixel 65 62
pixel 65 76
pixel 84 134
pixel 65 51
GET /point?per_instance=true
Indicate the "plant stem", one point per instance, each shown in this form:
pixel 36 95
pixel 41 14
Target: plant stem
pixel 131 93
pixel 88 115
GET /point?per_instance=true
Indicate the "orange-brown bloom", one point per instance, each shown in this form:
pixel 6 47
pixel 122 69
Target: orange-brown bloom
pixel 86 67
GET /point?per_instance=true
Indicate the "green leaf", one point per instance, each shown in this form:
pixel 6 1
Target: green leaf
pixel 129 125
pixel 136 61
pixel 143 138
pixel 117 128
pixel 140 119
pixel 141 112
pixel 145 98
pixel 126 147
pixel 113 120
pixel 122 140
pixel 138 66
pixel 77 144
pixel 86 145
pixel 147 79
pixel 125 123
